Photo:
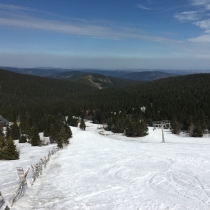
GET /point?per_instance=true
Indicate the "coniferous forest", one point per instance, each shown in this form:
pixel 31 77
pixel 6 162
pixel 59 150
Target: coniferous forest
pixel 44 103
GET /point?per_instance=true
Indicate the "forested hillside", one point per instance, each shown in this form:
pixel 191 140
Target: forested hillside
pixel 20 90
pixel 184 100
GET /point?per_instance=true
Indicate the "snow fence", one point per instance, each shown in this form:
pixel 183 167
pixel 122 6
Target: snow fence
pixel 36 171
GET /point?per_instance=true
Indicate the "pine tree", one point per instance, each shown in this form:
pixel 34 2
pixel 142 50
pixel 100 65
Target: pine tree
pixel 109 124
pixel 35 140
pixel 59 143
pixel 82 125
pixel 26 130
pixel 62 137
pixel 15 132
pixel 22 139
pixel 136 129
pixel 176 128
pixel 2 147
pixel 30 133
pixel 47 123
pixel 74 122
pixel 8 134
pixel 117 127
pixel 46 132
pixel 53 134
pixel 22 128
pixel 142 128
pixel 2 142
pixel 69 120
pixel 197 132
pixel 191 129
pixel 130 129
pixel 68 131
pixel 11 152
pixel 120 125
pixel 1 131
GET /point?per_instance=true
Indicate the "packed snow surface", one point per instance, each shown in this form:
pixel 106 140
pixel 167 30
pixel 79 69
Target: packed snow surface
pixel 111 171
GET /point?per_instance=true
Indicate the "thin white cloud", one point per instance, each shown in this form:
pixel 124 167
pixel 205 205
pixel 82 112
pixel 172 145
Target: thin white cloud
pixel 201 3
pixel 78 29
pixel 140 6
pixel 75 27
pixel 204 24
pixel 187 16
pixel 10 7
pixel 201 39
pixel 197 17
pixel 56 26
pixel 14 7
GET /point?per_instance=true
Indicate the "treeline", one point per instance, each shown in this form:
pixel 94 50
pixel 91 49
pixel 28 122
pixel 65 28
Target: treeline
pixel 183 100
pixel 56 128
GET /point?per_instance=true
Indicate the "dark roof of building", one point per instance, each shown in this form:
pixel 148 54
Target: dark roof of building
pixel 3 121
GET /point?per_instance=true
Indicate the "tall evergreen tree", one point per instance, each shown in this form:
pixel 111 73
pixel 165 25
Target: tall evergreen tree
pixel 142 128
pixel 62 137
pixel 15 132
pixel 109 124
pixel 69 118
pixel 2 142
pixel 130 129
pixel 68 131
pixel 35 139
pixel 53 134
pixel 8 134
pixel 30 133
pixel 176 128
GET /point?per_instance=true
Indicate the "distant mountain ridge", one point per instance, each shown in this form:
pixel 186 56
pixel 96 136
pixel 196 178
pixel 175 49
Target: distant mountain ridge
pixel 122 76
pixel 41 72
pixel 69 75
pixel 136 75
pixel 95 80
pixel 147 75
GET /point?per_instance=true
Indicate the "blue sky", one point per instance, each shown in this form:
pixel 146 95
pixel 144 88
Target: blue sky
pixel 106 34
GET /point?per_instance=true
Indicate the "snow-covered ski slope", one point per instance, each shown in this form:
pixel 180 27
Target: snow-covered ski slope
pixel 98 172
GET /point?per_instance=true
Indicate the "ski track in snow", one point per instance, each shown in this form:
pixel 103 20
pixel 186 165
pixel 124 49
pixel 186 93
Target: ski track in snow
pixel 113 172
